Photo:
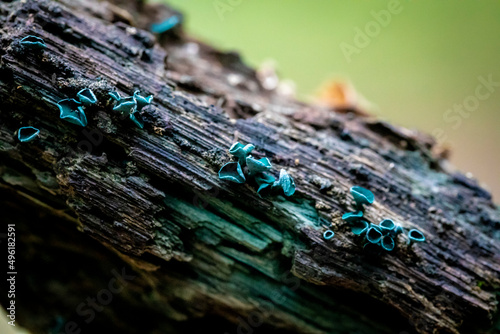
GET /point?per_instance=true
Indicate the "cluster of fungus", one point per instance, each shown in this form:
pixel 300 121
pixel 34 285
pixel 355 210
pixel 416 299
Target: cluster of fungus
pixel 257 169
pixel 131 106
pixel 73 110
pixel 382 235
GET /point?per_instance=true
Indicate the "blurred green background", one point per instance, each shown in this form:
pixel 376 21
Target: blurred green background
pixel 426 59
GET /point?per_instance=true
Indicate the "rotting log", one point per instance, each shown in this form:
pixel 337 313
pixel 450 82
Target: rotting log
pixel 200 253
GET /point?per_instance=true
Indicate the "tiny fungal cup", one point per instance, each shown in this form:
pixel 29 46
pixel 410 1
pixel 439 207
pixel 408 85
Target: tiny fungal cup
pixel 352 216
pixel 126 105
pixel 387 243
pixel 359 226
pixel 397 230
pixel 257 166
pixel 387 225
pixel 33 42
pixel 362 196
pixel 241 152
pixel 166 25
pixel 264 181
pixel 328 234
pixel 137 119
pixel 115 96
pixel 87 97
pixel 141 100
pixel 232 172
pixel 415 236
pixel 27 133
pixel 71 110
pixel 286 182
pixel 374 235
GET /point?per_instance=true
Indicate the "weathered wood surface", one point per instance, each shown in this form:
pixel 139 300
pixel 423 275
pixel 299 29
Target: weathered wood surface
pixel 205 252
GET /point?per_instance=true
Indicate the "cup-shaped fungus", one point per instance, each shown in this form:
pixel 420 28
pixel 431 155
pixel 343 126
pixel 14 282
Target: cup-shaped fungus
pixel 374 235
pixel 286 182
pixel 232 172
pixel 137 119
pixel 33 42
pixel 387 225
pixel 362 196
pixel 27 133
pixel 352 216
pixel 359 226
pixel 328 234
pixel 71 110
pixel 415 236
pixel 241 152
pixel 126 105
pixel 87 97
pixel 166 25
pixel 397 230
pixel 257 166
pixel 142 101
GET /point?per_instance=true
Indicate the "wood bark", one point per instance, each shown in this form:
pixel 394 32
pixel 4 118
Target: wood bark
pixel 207 254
